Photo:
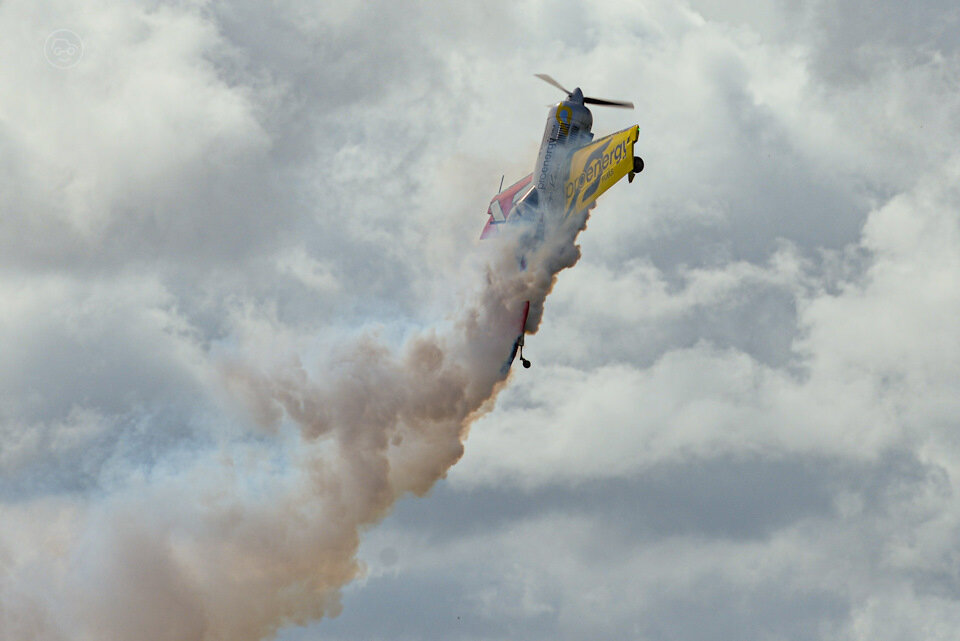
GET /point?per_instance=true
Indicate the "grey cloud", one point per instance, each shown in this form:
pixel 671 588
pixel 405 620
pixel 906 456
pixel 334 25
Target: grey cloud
pixel 771 578
pixel 858 39
pixel 723 497
pixel 264 183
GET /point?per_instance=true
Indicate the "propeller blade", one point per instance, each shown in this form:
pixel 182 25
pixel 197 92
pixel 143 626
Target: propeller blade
pixel 590 101
pixel 550 81
pixel 608 103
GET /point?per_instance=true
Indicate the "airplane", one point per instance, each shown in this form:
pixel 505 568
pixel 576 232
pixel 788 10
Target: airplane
pixel 571 172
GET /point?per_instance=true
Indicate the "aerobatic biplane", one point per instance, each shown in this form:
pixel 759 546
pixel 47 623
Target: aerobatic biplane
pixel 572 171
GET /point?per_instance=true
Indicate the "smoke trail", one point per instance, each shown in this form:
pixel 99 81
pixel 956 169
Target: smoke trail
pixel 193 557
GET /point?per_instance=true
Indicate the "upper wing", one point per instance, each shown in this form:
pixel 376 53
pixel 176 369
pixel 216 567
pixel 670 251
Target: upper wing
pixel 503 204
pixel 597 167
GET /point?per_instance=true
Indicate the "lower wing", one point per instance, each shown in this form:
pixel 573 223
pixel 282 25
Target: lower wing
pixel 503 211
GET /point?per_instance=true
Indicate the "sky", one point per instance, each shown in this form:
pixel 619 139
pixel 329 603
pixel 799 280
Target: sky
pixel 243 367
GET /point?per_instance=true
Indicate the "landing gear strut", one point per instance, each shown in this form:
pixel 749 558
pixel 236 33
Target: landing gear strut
pixel 526 364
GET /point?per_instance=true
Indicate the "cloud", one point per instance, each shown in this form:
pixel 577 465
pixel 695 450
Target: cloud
pixel 739 423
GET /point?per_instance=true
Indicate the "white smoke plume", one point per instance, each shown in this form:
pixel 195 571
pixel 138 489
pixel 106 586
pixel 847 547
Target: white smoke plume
pixel 200 555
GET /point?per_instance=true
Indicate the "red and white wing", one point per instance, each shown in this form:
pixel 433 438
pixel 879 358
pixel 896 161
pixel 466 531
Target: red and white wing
pixel 503 205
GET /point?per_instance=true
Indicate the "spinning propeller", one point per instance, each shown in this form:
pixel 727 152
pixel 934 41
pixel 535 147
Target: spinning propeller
pixel 586 99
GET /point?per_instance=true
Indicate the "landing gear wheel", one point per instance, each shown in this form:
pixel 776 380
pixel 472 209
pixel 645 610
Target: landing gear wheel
pixel 525 363
pixel 637 164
